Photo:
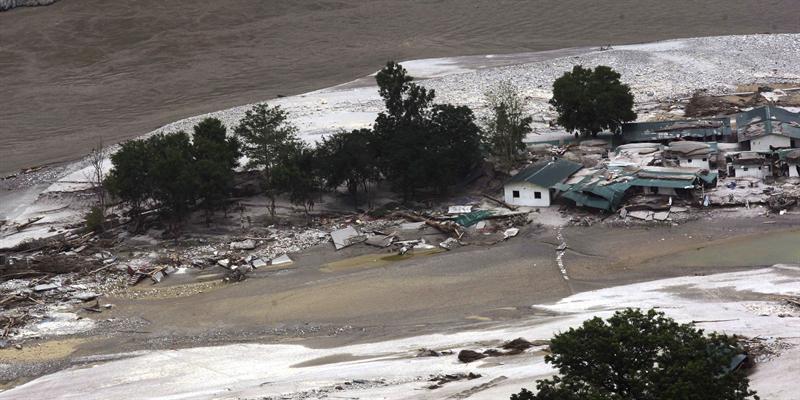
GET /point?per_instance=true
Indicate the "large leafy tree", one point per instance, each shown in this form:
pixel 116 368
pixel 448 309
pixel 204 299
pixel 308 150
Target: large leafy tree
pixel 641 356
pixel 589 101
pixel 506 124
pixel 348 158
pixel 416 138
pixel 267 138
pixel 216 155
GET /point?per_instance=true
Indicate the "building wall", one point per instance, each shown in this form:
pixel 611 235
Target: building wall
pixel 663 191
pixel 764 142
pixel 753 171
pixel 794 170
pixel 527 195
pixel 695 162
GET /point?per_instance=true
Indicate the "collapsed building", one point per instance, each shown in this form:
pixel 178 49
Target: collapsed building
pixel 681 160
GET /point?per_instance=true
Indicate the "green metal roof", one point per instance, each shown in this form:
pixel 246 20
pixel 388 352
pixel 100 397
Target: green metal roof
pixel 669 130
pixel 667 183
pixel 546 173
pixel 767 120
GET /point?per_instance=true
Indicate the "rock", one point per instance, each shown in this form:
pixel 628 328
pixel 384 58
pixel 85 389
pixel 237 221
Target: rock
pixel 224 263
pixel 248 244
pixel 258 263
pixel 428 353
pixel 518 344
pixel 468 356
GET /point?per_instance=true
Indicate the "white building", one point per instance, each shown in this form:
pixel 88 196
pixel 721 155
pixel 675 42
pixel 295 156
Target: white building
pixel 765 144
pixel 768 128
pixel 750 165
pixel 532 186
pixel 695 161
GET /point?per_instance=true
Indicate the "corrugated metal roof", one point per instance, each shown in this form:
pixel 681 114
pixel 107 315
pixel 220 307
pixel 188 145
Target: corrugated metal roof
pixel 670 130
pixel 546 173
pixel 667 183
pixel 767 120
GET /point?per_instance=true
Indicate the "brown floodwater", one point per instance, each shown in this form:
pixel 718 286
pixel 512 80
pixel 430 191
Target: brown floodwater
pixel 82 71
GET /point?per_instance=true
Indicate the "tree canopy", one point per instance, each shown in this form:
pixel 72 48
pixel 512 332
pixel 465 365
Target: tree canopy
pixel 422 145
pixel 268 138
pixel 589 101
pixel 216 155
pixel 506 125
pixel 641 356
pixel 171 172
pixel 349 158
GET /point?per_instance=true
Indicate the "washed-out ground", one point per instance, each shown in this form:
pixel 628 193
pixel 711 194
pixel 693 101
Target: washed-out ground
pixel 360 295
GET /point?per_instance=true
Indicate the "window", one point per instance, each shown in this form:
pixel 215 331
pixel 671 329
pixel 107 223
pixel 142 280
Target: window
pixel 705 159
pixel 744 168
pixel 653 189
pixel 689 160
pixel 537 195
pixel 515 194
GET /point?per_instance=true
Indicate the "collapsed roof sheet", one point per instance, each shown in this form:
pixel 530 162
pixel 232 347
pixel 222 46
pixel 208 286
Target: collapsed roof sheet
pixel 546 173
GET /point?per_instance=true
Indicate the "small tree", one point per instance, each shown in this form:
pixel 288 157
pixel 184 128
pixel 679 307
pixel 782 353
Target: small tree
pixel 636 356
pixel 506 125
pixel 590 101
pixel 349 159
pixel 215 155
pixel 96 177
pixel 267 137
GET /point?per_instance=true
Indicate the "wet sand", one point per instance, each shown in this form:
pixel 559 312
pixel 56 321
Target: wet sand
pixel 94 70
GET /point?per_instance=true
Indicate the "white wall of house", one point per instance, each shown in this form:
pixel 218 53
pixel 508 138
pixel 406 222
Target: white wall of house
pixel 794 170
pixel 525 194
pixel 695 162
pixel 752 171
pixel 764 142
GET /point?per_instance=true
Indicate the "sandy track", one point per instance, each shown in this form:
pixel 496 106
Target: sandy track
pixel 91 70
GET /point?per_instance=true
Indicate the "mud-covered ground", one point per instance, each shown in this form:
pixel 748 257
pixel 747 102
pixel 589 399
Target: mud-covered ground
pixel 362 294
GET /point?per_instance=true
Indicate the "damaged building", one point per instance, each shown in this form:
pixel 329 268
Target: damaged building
pixel 533 186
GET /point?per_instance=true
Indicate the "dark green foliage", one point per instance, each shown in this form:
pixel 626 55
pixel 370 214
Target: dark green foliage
pixel 349 158
pixel 454 145
pixel 95 220
pixel 590 101
pixel 506 125
pixel 129 179
pixel 216 155
pixel 267 137
pixel 173 175
pixel 417 140
pixel 641 356
pixel 297 175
